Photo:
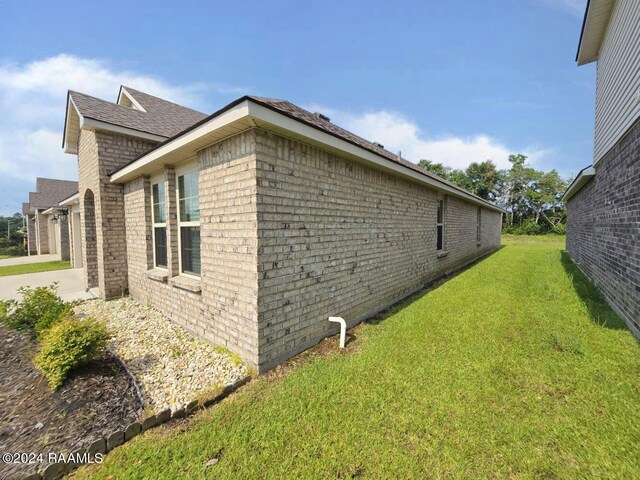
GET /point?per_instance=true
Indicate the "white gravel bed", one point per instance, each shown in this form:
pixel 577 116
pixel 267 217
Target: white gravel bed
pixel 171 365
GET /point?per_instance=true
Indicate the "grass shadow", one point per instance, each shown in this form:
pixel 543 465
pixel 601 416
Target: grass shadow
pixel 599 310
pixel 425 289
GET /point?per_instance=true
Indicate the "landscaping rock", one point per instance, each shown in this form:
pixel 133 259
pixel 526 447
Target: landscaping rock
pixel 164 416
pixel 53 471
pixel 170 365
pixel 99 446
pixel 149 422
pixel 114 440
pixel 180 413
pixel 132 430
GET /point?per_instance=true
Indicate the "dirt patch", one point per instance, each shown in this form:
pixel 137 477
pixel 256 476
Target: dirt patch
pixel 97 400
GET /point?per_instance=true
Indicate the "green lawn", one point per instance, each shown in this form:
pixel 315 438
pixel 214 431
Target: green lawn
pixel 511 369
pixel 33 268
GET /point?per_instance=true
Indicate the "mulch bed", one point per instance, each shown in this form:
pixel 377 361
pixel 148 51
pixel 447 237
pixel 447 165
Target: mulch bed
pixel 96 401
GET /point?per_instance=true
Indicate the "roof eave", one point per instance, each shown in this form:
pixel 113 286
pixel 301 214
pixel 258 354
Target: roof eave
pixel 248 113
pixel 580 181
pixel 594 23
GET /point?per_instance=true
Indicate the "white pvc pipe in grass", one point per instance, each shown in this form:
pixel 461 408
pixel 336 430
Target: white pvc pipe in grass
pixel 343 328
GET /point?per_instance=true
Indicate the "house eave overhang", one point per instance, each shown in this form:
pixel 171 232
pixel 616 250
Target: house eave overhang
pixel 594 27
pixel 245 114
pixel 71 200
pixel 580 181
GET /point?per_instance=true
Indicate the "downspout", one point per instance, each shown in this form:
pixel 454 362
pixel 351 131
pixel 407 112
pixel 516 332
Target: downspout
pixel 343 328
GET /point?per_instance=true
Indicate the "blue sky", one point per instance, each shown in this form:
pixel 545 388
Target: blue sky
pixel 455 81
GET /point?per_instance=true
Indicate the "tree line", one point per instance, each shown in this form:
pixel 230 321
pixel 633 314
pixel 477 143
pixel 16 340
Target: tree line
pixel 531 198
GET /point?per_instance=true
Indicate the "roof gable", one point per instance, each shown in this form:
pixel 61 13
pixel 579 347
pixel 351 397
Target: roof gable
pixel 50 191
pixel 136 113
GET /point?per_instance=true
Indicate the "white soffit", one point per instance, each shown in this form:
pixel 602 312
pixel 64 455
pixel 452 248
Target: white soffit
pixel 593 30
pixel 583 177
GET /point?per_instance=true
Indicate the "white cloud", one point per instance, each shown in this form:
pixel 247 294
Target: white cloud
pixel 398 133
pixel 574 7
pixel 32 102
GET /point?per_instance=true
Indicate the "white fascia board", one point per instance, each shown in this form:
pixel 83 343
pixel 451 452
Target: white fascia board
pixel 131 99
pixel 584 176
pixel 282 121
pixel 239 111
pixel 73 199
pixel 109 127
pixel 71 147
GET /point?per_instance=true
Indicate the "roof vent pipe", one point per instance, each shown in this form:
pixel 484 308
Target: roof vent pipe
pixel 343 328
pixel 378 144
pixel 322 117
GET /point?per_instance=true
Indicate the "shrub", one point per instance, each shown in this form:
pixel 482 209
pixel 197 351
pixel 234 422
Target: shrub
pixel 39 309
pixel 68 345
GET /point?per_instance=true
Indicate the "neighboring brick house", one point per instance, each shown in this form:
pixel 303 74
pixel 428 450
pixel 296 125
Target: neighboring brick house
pixel 603 224
pixel 46 230
pixel 253 225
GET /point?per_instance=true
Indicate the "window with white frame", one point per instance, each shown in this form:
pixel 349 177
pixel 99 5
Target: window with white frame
pixel 159 225
pixel 189 222
pixel 440 225
pixel 479 226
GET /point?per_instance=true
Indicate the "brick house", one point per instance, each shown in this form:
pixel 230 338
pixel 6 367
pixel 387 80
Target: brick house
pixel 603 223
pixel 253 225
pixel 46 231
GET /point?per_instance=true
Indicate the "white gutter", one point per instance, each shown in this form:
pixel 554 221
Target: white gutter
pixel 583 177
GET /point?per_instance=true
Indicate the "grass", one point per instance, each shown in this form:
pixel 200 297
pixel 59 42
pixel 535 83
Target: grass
pixel 33 268
pixel 515 368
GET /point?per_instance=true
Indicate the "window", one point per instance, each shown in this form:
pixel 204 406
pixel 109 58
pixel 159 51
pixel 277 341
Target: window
pixel 159 225
pixel 189 223
pixel 479 226
pixel 440 226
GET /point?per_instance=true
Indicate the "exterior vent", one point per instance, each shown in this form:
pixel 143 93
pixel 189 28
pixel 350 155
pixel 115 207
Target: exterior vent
pixel 378 144
pixel 322 117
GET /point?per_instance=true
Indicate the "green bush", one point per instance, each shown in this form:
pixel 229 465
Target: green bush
pixel 68 345
pixel 39 309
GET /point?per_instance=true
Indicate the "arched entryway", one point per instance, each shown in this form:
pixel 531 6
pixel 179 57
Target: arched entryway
pixel 90 245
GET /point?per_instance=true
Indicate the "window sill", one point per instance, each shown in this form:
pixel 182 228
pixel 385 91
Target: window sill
pixel 187 283
pixel 442 253
pixel 157 275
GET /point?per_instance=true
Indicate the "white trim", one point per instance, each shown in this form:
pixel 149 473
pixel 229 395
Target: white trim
pixel 73 199
pixel 134 102
pixel 159 179
pixel 583 177
pixel 258 112
pixel 109 127
pixel 183 169
pixel 236 113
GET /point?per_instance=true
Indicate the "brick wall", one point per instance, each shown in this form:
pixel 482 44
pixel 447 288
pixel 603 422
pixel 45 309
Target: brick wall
pixel 603 227
pixel 99 154
pixel 225 311
pixel 42 234
pixel 63 241
pixel 336 237
pixel 31 235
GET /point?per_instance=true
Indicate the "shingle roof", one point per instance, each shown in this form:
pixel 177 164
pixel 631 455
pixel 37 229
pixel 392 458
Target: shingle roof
pixel 26 208
pixel 289 109
pixel 161 118
pixel 50 192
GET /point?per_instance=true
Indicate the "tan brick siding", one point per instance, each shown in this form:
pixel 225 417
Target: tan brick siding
pixel 225 312
pixel 339 238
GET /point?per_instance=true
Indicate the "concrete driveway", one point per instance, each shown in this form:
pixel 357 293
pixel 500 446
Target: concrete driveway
pixel 70 284
pixel 28 259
